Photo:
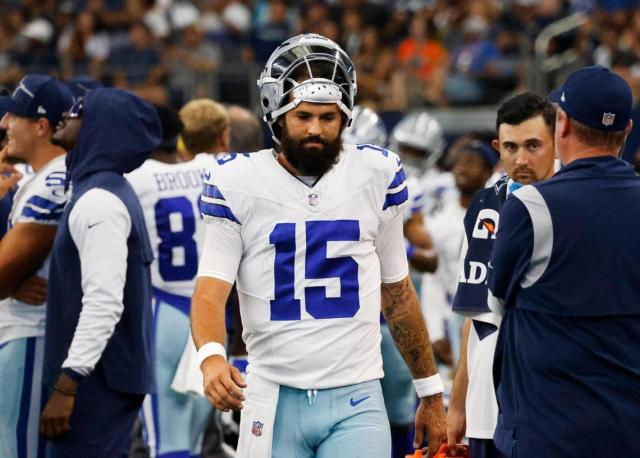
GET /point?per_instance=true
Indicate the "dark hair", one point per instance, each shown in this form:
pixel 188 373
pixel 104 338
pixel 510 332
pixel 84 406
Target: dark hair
pixel 525 106
pixel 171 127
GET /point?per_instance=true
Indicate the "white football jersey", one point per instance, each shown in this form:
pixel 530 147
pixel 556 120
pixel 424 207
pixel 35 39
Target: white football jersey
pixel 40 199
pixel 481 404
pixel 169 195
pixel 312 261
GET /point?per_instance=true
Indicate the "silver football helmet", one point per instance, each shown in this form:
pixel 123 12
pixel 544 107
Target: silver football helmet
pixel 330 78
pixel 419 131
pixel 366 127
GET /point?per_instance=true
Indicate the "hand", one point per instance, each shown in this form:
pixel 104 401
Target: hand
pixel 55 417
pixel 430 418
pixel 32 291
pixel 456 427
pixel 9 177
pixel 222 384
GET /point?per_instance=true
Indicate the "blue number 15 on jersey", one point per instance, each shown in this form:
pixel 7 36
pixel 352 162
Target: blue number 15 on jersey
pixel 285 306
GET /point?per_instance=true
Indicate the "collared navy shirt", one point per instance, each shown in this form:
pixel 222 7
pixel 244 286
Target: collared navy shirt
pixel 566 265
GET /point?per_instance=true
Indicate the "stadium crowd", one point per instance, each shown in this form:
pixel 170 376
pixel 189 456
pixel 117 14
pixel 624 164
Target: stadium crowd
pixel 125 89
pixel 409 54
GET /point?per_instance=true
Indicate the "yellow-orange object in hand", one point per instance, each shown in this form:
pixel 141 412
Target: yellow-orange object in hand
pixel 444 451
pixel 416 454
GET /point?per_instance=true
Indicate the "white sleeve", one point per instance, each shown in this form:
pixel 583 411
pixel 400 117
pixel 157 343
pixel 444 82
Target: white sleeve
pixel 391 250
pixel 99 224
pixel 222 251
pixel 46 200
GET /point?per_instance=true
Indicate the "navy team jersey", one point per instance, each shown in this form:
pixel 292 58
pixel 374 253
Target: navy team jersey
pixel 566 274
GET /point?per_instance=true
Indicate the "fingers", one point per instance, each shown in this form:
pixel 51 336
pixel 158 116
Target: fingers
pixel 52 427
pixel 223 391
pixel 418 439
pixel 434 445
pixel 237 377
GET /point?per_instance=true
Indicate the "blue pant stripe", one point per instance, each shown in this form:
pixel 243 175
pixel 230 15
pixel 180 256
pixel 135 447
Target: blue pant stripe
pixel 25 402
pixel 44 397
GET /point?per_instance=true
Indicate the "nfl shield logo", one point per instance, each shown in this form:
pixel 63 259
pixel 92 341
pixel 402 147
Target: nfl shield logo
pixel 313 200
pixel 607 119
pixel 256 429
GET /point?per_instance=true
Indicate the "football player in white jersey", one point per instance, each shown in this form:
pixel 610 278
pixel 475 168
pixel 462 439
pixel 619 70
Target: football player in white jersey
pixel 32 113
pixel 169 193
pixel 312 233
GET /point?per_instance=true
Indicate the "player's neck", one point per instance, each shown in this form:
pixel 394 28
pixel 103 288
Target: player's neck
pixel 44 155
pixel 165 157
pixel 465 199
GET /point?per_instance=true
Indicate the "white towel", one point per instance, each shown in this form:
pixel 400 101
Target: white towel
pixel 257 418
pixel 188 377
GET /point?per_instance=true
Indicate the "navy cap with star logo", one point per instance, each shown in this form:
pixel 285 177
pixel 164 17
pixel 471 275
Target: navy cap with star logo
pixel 596 97
pixel 38 96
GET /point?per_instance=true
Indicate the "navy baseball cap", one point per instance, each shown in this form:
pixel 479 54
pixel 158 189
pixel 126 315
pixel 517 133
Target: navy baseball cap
pixel 596 97
pixel 38 96
pixel 483 150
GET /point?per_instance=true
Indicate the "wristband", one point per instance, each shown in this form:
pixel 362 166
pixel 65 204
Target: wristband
pixel 65 392
pixel 428 386
pixel 211 349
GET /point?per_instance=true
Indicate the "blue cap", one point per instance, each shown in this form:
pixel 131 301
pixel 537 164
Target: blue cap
pixel 596 97
pixel 79 85
pixel 38 96
pixel 483 150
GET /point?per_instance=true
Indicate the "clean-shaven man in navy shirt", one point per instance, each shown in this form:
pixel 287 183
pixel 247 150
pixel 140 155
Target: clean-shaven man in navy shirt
pixel 564 273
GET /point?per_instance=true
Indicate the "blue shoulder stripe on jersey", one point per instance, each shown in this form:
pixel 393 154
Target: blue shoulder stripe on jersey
pixel 396 199
pixel 211 190
pixel 398 179
pixel 45 204
pixel 220 211
pixel 28 212
pixel 368 146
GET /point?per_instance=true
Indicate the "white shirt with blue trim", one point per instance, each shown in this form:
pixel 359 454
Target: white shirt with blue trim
pixel 40 199
pixel 308 261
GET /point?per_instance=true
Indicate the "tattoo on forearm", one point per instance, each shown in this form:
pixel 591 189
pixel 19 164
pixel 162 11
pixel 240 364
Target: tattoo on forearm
pixel 407 327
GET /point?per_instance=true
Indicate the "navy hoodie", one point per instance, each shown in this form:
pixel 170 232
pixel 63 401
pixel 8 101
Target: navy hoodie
pixel 118 132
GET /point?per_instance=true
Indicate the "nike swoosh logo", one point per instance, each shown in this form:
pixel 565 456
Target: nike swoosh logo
pixel 355 402
pixel 94 224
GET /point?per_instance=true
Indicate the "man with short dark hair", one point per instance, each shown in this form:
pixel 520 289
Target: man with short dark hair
pixel 525 125
pixel 565 277
pixel 97 358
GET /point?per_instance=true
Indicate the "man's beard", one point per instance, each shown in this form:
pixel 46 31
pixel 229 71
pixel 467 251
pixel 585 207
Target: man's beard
pixel 310 160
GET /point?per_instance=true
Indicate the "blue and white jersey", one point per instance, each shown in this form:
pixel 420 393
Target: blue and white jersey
pixel 310 261
pixel 169 195
pixel 40 199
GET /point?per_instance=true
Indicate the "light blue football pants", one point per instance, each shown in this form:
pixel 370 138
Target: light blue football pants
pixel 349 421
pixel 173 422
pixel 21 398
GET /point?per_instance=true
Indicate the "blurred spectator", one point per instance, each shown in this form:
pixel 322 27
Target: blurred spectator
pixel 191 63
pixel 268 34
pixel 476 65
pixel 32 48
pixel 374 65
pixel 137 66
pixel 424 59
pixel 84 47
